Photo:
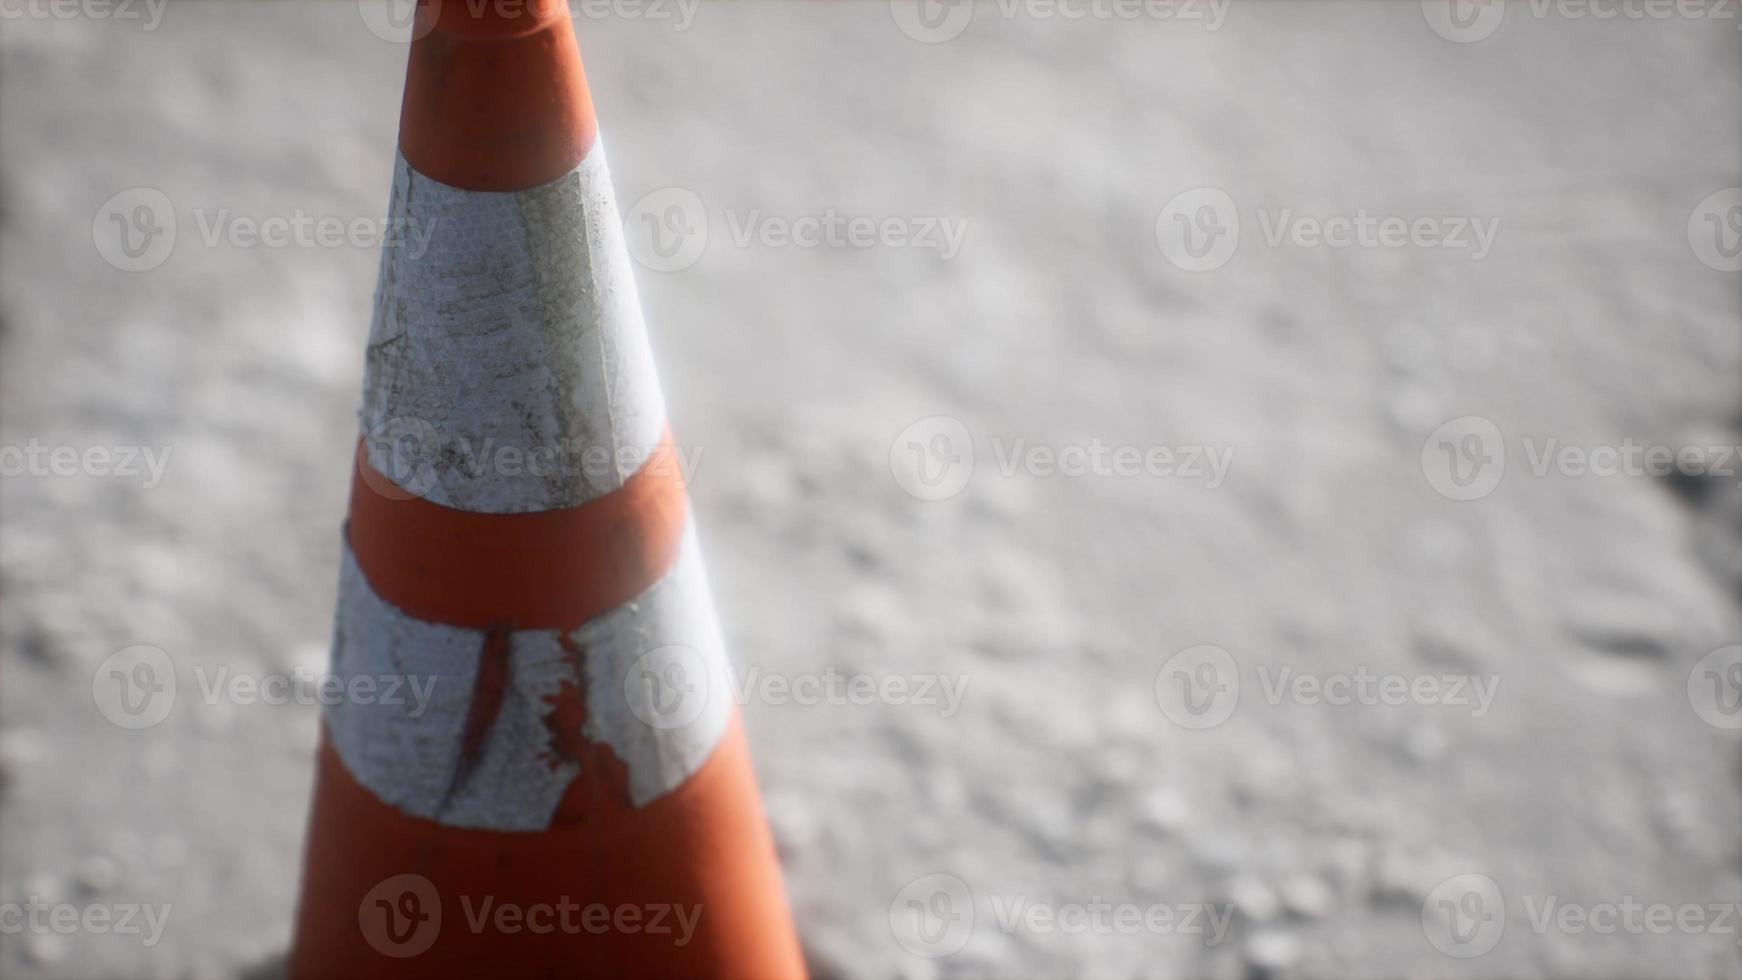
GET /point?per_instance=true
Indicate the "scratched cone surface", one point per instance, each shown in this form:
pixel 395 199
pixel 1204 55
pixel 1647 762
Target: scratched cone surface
pixel 573 795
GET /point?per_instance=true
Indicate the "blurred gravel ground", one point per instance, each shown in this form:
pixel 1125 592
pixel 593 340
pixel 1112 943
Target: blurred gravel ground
pixel 1058 599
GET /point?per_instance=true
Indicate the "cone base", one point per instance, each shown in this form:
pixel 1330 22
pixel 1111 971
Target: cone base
pixel 686 886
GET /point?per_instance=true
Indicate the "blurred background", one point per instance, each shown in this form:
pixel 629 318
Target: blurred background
pixel 1256 414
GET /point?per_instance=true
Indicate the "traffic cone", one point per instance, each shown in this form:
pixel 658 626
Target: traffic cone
pixel 531 765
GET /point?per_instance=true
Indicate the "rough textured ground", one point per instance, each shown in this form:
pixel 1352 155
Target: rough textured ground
pixel 1060 321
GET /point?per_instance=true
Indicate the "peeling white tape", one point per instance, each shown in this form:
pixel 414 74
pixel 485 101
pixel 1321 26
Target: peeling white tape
pixel 662 725
pixel 508 367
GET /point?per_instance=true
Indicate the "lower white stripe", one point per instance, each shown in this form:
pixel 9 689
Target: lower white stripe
pixel 653 675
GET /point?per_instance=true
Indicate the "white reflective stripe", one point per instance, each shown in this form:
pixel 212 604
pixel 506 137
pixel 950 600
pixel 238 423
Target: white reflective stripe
pixel 658 691
pixel 409 751
pixel 508 368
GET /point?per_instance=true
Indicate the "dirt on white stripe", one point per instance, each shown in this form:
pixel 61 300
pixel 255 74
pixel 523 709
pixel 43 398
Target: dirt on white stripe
pixel 508 366
pixel 470 740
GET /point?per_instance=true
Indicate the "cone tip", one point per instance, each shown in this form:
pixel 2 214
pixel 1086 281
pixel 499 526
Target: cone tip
pixel 483 19
pixel 495 97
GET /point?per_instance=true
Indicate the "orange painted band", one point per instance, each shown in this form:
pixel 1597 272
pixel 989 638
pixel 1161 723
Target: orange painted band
pixel 705 847
pixel 495 98
pixel 553 569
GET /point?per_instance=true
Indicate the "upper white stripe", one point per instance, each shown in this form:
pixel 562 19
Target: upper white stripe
pixel 507 324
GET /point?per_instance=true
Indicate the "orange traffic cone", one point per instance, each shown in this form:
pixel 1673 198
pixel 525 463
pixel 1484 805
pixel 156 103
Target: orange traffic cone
pixel 532 766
